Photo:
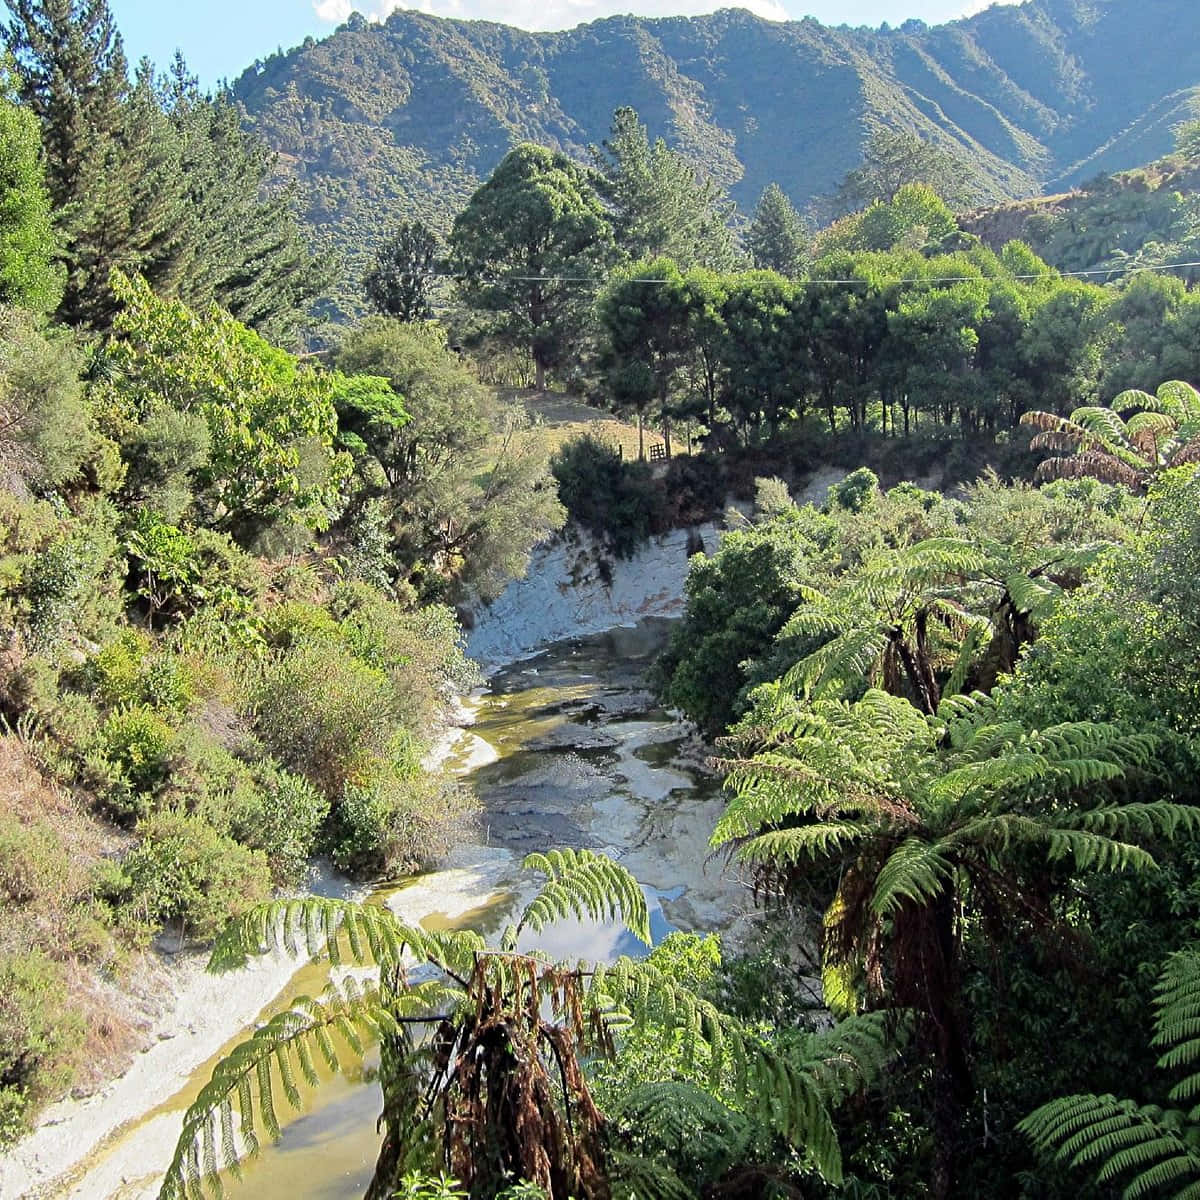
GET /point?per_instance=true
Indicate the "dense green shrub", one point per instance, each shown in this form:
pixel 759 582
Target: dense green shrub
pixel 619 502
pixel 324 713
pixel 138 740
pixel 41 1034
pixel 420 648
pixel 398 819
pixel 184 871
pixel 132 670
pixel 177 571
pixel 45 431
pixel 857 492
pixel 735 603
pixel 63 582
pixel 282 815
pixel 32 862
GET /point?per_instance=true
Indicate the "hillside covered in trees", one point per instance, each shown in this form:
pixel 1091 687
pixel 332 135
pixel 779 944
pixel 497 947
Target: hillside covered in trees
pixel 403 119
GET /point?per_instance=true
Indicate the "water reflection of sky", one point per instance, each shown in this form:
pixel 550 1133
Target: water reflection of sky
pixel 601 941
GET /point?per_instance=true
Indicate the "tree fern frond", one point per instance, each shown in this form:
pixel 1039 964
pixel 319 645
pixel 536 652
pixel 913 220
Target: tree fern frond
pixel 915 872
pixel 1095 464
pixel 769 1087
pixel 850 1056
pixel 587 886
pixel 1107 429
pixel 1094 852
pixel 813 842
pixel 1153 818
pixel 1046 422
pixel 1034 597
pixel 340 929
pixel 966 656
pixel 637 1177
pixel 843 659
pixel 246 1079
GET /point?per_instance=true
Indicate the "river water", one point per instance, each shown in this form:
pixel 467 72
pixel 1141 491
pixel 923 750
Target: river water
pixel 568 749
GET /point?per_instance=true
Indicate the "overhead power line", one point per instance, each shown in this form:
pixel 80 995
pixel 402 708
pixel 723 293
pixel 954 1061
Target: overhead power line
pixel 600 280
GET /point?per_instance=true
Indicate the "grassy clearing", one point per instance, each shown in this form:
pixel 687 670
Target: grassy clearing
pixel 563 419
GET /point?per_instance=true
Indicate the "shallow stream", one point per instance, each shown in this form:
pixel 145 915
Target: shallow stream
pixel 567 749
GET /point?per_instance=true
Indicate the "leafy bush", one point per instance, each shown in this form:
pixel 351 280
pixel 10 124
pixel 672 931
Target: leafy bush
pixel 163 452
pixel 282 816
pixel 857 492
pixel 178 571
pixel 131 670
pixel 40 1037
pixel 137 742
pixel 62 583
pixel 324 713
pixel 736 602
pixel 621 503
pixel 184 870
pixel 284 625
pixel 46 431
pixel 32 862
pixel 421 649
pixel 399 819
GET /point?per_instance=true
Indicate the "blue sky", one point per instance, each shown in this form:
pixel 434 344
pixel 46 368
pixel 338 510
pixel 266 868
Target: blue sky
pixel 220 38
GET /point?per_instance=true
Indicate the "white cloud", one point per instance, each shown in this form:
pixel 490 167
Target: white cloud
pixel 334 11
pixel 540 14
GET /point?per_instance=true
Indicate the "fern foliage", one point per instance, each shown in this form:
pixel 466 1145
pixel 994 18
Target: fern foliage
pixel 1154 1150
pixel 1160 432
pixel 485 1060
pixel 586 886
pixel 239 1106
pixel 916 620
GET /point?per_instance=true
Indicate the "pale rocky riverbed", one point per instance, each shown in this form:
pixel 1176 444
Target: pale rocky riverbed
pixel 567 748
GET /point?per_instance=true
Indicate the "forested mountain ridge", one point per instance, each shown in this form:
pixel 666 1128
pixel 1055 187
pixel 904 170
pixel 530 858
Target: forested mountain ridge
pixel 1145 217
pixel 405 118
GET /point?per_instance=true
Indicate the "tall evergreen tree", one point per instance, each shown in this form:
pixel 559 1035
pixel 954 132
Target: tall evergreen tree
pixel 777 239
pixel 154 178
pixel 892 159
pixel 522 244
pixel 72 72
pixel 246 249
pixel 661 207
pixel 398 285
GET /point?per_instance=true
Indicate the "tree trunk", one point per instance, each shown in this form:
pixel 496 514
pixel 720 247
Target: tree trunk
pixel 539 374
pixel 641 439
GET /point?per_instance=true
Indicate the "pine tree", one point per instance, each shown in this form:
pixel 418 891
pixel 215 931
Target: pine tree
pixel 72 72
pixel 246 250
pixel 661 207
pixel 155 179
pixel 398 284
pixel 776 238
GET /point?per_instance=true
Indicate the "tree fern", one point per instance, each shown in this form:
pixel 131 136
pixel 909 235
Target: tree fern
pixel 1161 431
pixel 927 819
pixel 485 1061
pixel 1156 1150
